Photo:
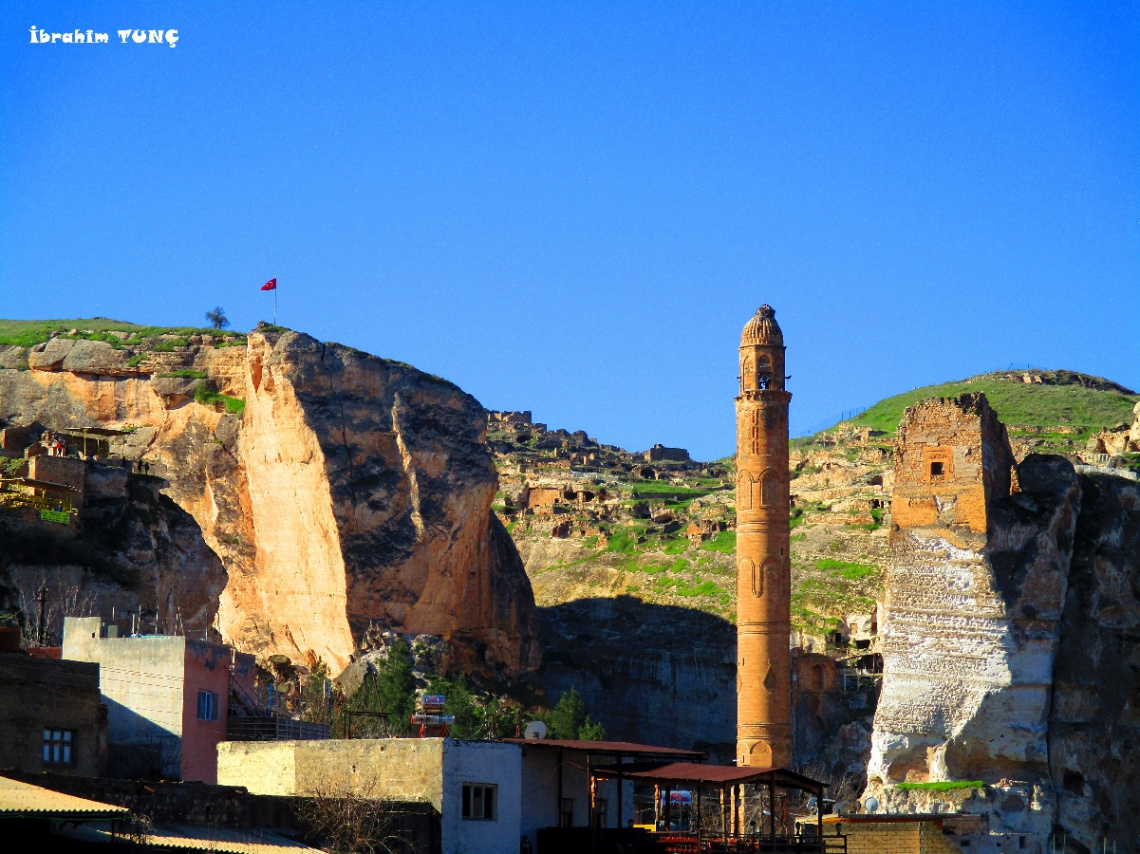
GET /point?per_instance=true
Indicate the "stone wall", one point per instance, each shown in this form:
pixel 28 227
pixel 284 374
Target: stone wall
pixel 906 836
pixel 951 457
pixel 67 471
pixel 659 453
pixel 211 807
pixel 405 769
pixel 425 770
pixel 38 694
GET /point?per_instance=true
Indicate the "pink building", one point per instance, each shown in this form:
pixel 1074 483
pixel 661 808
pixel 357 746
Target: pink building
pixel 167 698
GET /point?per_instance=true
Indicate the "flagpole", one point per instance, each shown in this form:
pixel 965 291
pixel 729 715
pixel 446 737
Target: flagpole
pixel 275 306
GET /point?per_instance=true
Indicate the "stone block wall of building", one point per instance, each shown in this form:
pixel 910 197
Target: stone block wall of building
pixel 659 453
pixel 407 769
pixel 882 838
pixel 426 770
pixel 951 457
pixel 68 471
pixel 900 835
pixel 38 694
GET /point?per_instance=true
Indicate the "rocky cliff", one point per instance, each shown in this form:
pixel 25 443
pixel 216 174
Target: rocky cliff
pixel 1008 634
pixel 654 674
pixel 330 489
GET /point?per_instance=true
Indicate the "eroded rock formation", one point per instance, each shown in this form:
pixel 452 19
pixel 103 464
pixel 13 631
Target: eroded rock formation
pixel 351 490
pixel 1008 634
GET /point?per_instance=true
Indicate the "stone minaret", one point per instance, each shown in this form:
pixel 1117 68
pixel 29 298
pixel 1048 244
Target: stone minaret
pixel 763 574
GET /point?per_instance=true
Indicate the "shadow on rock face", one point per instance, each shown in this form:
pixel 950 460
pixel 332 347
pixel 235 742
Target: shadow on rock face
pixel 666 675
pixel 654 674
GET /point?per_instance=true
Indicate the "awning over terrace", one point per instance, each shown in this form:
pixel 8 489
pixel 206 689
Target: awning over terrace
pixel 608 748
pixel 727 780
pixel 699 774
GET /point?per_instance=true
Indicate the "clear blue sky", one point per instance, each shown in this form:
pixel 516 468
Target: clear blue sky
pixel 574 207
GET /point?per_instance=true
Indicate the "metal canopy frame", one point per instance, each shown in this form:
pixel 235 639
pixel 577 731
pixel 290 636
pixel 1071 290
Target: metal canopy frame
pixel 725 779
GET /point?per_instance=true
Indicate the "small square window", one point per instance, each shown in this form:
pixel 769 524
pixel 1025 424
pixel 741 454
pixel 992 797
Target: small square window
pixel 207 706
pixel 480 802
pixel 936 469
pixel 58 744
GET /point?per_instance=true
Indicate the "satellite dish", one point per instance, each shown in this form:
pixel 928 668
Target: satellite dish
pixel 535 730
pixel 871 804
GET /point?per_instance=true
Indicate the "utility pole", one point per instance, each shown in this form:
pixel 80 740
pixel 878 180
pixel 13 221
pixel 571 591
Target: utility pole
pixel 43 622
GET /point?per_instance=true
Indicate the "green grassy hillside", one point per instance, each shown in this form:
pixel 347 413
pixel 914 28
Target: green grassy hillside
pixel 27 333
pixel 1063 398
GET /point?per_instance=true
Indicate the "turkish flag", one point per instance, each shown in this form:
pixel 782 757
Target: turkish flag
pixel 271 285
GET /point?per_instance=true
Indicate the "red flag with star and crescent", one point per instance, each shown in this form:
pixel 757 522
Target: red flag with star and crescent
pixel 271 285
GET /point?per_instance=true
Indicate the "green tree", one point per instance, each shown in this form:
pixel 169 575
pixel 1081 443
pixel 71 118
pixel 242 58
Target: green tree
pixel 388 696
pixel 461 702
pixel 217 317
pixel 568 719
pixel 314 702
pixel 590 731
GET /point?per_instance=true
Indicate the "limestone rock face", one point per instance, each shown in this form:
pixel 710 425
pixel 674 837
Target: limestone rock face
pixel 1009 636
pixel 1121 439
pixel 654 674
pixel 1094 727
pixel 369 491
pixel 351 491
pixel 970 635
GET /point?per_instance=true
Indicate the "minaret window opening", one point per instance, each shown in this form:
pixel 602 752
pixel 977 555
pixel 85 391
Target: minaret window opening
pixel 763 373
pixel 936 470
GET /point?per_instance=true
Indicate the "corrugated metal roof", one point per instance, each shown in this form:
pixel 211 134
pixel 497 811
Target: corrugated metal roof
pixel 215 839
pixel 603 748
pixel 691 772
pixel 26 799
pixel 249 841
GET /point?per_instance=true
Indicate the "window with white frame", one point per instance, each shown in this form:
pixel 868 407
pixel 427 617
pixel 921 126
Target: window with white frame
pixel 58 746
pixel 480 802
pixel 207 706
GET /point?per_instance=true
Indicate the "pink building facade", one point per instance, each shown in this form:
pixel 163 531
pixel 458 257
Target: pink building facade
pixel 167 698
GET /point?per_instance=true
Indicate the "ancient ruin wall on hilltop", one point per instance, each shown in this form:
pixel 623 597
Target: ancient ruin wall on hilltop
pixel 1008 632
pixel 351 490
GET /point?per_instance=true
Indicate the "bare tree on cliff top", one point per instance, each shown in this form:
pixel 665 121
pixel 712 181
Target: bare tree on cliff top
pixel 217 317
pixel 62 597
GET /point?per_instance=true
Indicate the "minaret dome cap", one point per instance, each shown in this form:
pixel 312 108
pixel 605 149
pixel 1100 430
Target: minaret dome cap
pixel 762 329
